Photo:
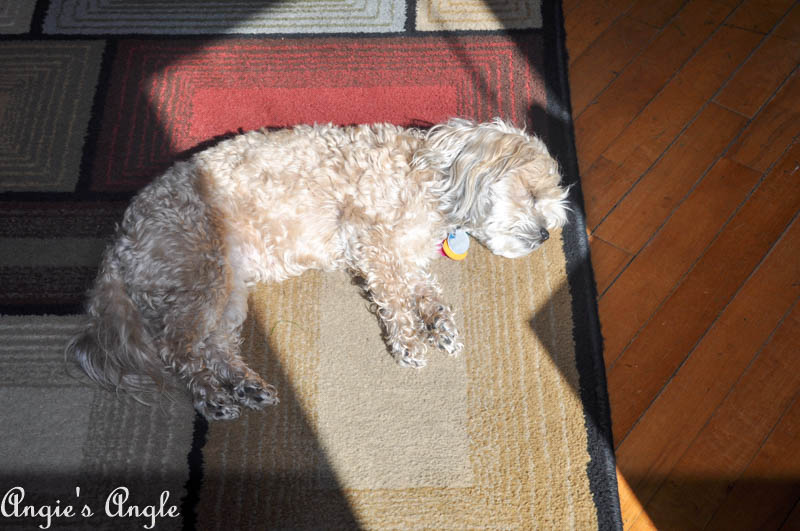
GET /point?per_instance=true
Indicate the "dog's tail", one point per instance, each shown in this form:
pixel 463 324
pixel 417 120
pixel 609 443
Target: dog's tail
pixel 114 348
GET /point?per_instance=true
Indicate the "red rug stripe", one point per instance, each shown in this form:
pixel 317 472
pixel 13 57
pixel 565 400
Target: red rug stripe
pixel 169 97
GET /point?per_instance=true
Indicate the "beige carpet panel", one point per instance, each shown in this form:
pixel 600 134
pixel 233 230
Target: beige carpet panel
pixel 441 15
pixel 493 438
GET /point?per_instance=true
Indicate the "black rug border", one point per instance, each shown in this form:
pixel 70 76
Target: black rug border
pixel 587 336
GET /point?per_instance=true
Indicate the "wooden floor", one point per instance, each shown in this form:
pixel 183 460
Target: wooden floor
pixel 687 122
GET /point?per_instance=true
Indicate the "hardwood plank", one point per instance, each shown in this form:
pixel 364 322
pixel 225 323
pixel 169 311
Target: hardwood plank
pixel 658 125
pixel 772 129
pixel 760 76
pixel 759 15
pixel 629 503
pixel 660 347
pixel 648 280
pixel 789 28
pixel 627 95
pixel 655 13
pixel 651 450
pixel 725 346
pixel 607 262
pixel 642 523
pixel 770 485
pixel 568 7
pixel 604 183
pixel 605 58
pixel 793 522
pixel 588 20
pixel 637 217
pixel 732 437
pixel 645 139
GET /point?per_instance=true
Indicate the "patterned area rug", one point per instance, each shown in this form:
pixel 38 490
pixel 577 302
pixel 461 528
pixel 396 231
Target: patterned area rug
pixel 98 96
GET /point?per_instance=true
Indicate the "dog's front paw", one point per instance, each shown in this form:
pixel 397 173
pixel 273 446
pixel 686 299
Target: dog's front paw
pixel 218 407
pixel 255 393
pixel 409 360
pixel 411 355
pixel 442 330
pixel 449 343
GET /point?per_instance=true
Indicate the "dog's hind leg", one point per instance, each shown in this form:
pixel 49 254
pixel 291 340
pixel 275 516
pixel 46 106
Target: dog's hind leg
pixel 201 309
pixel 225 382
pixel 219 379
pixel 246 386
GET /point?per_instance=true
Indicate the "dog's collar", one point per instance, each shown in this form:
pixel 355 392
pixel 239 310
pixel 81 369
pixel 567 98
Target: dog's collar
pixel 456 244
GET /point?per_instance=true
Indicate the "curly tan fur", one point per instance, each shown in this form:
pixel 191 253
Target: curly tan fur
pixel 171 294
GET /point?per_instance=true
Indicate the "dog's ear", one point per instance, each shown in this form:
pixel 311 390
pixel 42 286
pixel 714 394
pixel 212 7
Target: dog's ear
pixel 470 157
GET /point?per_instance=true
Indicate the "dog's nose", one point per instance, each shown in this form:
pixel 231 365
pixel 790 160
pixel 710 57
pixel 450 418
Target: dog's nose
pixel 544 235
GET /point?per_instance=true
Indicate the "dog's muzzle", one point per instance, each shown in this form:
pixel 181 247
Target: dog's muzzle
pixel 544 235
pixel 535 237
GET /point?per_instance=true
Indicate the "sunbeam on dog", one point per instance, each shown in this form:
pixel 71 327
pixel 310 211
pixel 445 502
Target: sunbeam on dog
pixel 374 200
